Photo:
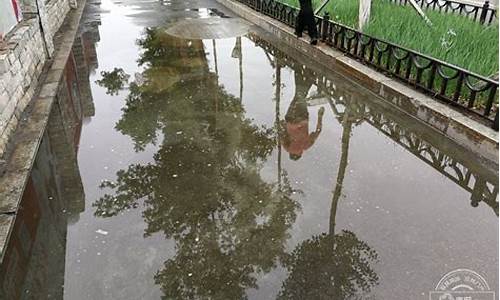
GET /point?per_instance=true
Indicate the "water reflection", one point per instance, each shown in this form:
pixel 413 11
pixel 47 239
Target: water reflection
pixel 478 178
pixel 220 187
pixel 296 137
pixel 33 265
pixel 330 265
pixel 114 81
pixel 204 188
pixel 205 191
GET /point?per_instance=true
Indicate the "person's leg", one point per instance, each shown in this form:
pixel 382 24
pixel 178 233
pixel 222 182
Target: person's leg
pixel 298 108
pixel 303 84
pixel 299 26
pixel 297 111
pixel 311 26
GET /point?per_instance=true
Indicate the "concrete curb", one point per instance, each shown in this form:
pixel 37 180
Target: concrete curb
pixel 453 124
pixel 32 126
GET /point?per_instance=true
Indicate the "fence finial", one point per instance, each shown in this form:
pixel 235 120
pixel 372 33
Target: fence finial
pixel 484 12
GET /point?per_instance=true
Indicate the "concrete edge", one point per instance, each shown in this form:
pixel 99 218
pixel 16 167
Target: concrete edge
pixel 455 125
pixel 31 128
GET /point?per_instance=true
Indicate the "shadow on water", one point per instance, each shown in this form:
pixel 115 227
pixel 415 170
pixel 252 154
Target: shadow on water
pixel 204 188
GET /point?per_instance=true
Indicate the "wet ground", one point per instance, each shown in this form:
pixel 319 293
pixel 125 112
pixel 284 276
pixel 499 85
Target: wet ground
pixel 232 167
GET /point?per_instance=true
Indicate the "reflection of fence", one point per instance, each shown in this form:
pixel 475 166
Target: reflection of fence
pixel 483 14
pixel 455 170
pixel 451 162
pixel 458 87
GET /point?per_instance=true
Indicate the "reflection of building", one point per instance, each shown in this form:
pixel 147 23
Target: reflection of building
pixel 85 56
pixel 33 263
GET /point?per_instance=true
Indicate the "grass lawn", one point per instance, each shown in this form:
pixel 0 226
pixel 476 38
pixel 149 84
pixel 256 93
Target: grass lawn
pixel 454 39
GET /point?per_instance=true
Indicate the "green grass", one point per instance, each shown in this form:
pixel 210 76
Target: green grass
pixel 470 45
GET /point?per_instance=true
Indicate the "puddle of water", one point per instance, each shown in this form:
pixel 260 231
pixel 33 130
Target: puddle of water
pixel 233 168
pixel 203 13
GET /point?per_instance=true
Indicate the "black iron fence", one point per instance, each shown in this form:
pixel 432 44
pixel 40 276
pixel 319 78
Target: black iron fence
pixel 458 87
pixel 484 14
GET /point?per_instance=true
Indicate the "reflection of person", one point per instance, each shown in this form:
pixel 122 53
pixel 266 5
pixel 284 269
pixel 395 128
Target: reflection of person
pixel 296 137
pixel 306 19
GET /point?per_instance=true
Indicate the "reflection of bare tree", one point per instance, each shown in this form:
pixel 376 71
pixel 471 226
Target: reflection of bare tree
pixel 332 265
pixel 204 188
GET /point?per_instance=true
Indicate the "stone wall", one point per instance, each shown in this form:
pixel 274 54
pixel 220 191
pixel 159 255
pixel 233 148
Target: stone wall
pixel 21 64
pixel 26 49
pixel 52 16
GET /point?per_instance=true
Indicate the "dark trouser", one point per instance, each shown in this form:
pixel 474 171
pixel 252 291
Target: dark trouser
pixel 297 111
pixel 306 19
pixel 298 108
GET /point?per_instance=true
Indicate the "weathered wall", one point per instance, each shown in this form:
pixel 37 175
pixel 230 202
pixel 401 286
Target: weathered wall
pixel 20 67
pixel 52 15
pixel 26 50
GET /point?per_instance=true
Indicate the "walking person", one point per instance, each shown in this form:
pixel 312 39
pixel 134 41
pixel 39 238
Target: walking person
pixel 306 19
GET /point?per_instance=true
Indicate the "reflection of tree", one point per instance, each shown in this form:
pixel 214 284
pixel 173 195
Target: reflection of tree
pixel 332 265
pixel 114 81
pixel 203 188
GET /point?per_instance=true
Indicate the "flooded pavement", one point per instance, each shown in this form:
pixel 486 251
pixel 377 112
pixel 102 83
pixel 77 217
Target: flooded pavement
pixel 233 168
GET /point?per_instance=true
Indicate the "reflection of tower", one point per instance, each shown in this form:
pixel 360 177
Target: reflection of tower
pixel 34 259
pixel 67 124
pixel 84 52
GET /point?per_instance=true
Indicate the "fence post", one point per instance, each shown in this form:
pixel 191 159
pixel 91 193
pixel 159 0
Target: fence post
pixel 324 27
pixel 484 12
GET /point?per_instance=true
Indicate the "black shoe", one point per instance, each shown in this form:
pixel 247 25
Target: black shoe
pixel 314 42
pixel 299 35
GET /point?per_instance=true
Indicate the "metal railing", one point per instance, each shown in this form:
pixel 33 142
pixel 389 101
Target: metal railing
pixel 484 14
pixel 473 93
